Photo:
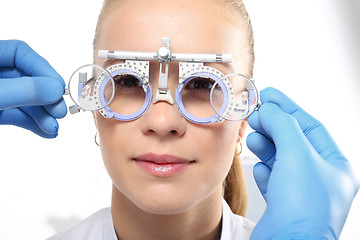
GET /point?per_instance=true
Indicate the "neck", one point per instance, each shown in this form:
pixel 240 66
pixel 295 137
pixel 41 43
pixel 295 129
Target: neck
pixel 203 221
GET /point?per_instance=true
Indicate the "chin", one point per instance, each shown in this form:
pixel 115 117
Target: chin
pixel 161 207
pixel 164 202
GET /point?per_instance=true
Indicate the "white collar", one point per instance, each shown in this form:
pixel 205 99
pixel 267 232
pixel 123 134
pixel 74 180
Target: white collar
pixel 227 222
pixel 228 231
pixel 109 232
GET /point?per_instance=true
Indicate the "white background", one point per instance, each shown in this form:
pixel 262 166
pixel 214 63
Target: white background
pixel 307 48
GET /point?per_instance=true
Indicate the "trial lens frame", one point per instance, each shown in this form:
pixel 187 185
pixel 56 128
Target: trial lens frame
pixel 165 56
pixel 187 63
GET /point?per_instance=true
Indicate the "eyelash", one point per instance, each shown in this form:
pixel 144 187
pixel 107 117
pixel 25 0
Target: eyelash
pixel 127 82
pixel 194 84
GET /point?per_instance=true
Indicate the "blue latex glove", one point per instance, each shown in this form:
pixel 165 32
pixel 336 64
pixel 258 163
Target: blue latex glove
pixel 306 181
pixel 30 90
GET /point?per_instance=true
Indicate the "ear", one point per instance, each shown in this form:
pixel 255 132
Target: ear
pixel 243 125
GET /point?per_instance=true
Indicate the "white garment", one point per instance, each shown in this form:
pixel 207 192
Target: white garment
pixel 99 226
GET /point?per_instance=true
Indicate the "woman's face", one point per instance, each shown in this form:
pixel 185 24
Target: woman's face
pixel 161 162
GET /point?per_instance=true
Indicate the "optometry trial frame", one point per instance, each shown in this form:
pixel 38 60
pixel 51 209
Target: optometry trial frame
pixel 123 91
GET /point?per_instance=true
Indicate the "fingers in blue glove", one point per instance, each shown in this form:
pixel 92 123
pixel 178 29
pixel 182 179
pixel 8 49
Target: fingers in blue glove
pixel 262 174
pixel 28 81
pixel 29 91
pixel 265 150
pixel 255 124
pixel 284 131
pixel 306 191
pixel 262 147
pixel 314 131
pixel 57 110
pixel 6 72
pixel 17 54
pixel 17 117
pixel 45 122
pixel 27 78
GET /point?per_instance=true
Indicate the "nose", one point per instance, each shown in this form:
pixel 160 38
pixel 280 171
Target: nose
pixel 164 120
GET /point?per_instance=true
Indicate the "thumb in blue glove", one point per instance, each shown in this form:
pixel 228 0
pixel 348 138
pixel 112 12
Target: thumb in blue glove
pixel 30 90
pixel 306 181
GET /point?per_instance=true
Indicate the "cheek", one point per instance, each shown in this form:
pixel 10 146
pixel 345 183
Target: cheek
pixel 111 143
pixel 117 147
pixel 218 147
pixel 223 138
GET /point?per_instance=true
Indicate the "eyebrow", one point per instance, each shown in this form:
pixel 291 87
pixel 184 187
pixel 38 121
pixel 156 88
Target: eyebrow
pixel 111 61
pixel 220 66
pixel 229 66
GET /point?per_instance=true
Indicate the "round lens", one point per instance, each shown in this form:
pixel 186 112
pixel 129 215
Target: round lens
pixel 129 95
pixel 240 100
pixel 85 84
pixel 195 98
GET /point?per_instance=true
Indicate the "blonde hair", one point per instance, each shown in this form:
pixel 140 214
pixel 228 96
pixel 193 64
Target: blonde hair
pixel 234 186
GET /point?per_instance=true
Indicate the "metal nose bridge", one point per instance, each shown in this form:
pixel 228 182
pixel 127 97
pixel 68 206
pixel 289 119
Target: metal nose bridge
pixel 164 56
pixel 166 96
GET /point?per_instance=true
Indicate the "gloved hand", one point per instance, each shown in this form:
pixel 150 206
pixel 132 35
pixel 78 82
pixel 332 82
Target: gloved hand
pixel 306 181
pixel 30 90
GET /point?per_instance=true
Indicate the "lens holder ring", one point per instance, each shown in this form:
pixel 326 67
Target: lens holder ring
pixel 140 70
pixel 193 70
pixel 229 98
pixel 98 83
pixel 224 115
pixel 99 105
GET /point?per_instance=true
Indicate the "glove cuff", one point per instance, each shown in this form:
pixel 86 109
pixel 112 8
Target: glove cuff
pixel 299 237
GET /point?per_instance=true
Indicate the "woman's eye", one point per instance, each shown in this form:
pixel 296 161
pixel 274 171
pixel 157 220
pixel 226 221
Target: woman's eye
pixel 200 83
pixel 126 82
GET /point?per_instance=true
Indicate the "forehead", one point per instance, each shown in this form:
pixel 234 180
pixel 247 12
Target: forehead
pixel 193 26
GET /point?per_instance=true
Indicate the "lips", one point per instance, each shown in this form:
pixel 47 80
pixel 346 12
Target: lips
pixel 162 165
